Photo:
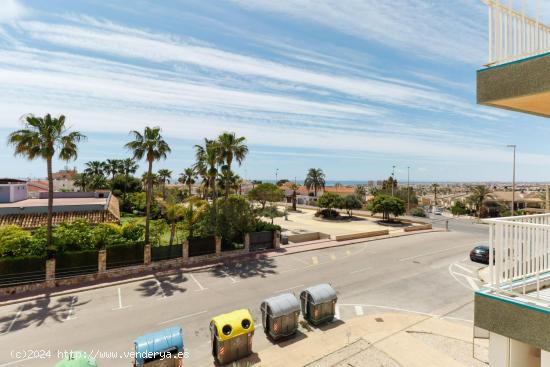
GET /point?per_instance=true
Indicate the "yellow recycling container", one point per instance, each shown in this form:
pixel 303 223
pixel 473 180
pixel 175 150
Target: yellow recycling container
pixel 231 336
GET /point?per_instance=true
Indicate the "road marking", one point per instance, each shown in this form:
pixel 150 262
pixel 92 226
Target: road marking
pixel 359 270
pixel 348 252
pixel 159 285
pixel 229 276
pixel 20 309
pixel 182 317
pixel 201 288
pixel 463 268
pixel 120 306
pixel 359 310
pixel 287 289
pixel 430 253
pixel 16 361
pixel 71 310
pixel 315 260
pixel 472 283
pixel 408 311
pixel 332 257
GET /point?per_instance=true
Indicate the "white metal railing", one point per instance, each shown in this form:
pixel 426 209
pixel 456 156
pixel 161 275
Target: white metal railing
pixel 512 34
pixel 519 254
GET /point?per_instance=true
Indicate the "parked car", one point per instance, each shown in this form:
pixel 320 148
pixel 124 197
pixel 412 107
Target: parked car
pixel 480 254
pixel 437 211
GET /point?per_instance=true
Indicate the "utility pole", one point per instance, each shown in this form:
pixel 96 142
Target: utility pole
pixel 276 175
pixel 393 179
pixel 513 179
pixel 408 190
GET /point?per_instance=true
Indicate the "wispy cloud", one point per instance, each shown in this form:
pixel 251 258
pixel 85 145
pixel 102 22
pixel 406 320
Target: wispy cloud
pixel 11 11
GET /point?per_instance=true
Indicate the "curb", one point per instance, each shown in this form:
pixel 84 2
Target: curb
pixel 206 266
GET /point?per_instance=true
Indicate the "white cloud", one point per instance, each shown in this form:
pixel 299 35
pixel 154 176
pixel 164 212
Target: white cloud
pixel 11 10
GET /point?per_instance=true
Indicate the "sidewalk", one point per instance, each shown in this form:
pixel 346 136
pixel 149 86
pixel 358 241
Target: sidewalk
pixel 391 339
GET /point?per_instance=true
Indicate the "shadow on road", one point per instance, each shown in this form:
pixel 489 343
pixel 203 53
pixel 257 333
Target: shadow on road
pixel 38 312
pixel 261 266
pixel 163 285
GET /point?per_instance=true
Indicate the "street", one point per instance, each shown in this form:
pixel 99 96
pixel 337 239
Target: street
pixel 427 273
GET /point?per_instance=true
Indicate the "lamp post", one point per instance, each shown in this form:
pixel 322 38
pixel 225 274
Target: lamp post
pixel 276 175
pixel 393 179
pixel 513 178
pixel 408 190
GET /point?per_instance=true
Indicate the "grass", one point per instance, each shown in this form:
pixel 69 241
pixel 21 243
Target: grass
pixel 165 238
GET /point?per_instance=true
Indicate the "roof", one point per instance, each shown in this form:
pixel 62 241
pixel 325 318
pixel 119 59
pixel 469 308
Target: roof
pixel 282 304
pixel 340 189
pixel 41 186
pixel 34 203
pixel 321 293
pixel 519 196
pixel 233 319
pixel 76 359
pixel 158 342
pixel 6 181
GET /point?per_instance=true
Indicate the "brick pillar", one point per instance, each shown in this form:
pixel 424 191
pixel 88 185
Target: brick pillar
pixel 185 251
pixel 147 255
pixel 247 242
pixel 50 273
pixel 218 246
pixel 102 262
pixel 277 239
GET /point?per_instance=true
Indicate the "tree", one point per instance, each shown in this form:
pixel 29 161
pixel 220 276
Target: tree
pixel 188 178
pixel 128 167
pixel 387 205
pixel 459 208
pixel 352 202
pixel 361 192
pixel 272 212
pixel 164 176
pixel 435 186
pixel 266 192
pixel 113 167
pixel 82 180
pixel 281 182
pixel 315 178
pixel 330 200
pixel 151 145
pixel 207 160
pixel 231 147
pixel 46 137
pixel 477 197
pixel 95 168
pixel 173 212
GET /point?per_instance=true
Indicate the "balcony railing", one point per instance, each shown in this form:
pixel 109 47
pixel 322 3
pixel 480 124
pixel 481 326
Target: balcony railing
pixel 512 34
pixel 519 256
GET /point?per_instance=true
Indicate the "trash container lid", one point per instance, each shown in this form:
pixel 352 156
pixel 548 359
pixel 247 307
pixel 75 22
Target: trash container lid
pixel 76 359
pixel 282 304
pixel 235 320
pixel 158 342
pixel 320 293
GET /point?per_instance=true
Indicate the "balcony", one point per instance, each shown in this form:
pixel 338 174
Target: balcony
pixel 516 75
pixel 516 301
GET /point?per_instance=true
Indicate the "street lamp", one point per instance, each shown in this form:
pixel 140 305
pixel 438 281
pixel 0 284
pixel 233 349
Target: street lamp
pixel 408 191
pixel 276 175
pixel 393 179
pixel 513 178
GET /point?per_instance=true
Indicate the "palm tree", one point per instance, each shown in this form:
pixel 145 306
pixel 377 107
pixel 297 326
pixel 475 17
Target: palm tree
pixel 153 147
pixel 435 186
pixel 231 147
pixel 188 178
pixel 96 168
pixel 46 137
pixel 173 212
pixel 82 180
pixel 478 196
pixel 113 167
pixel 315 178
pixel 208 158
pixel 128 167
pixel 164 176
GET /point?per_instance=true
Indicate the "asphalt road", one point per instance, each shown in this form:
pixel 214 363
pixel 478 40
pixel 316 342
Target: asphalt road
pixel 427 273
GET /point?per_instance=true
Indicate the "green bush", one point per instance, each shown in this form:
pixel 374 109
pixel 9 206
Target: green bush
pixel 74 236
pixel 459 208
pixel 265 226
pixel 14 241
pixel 234 217
pixel 330 201
pixel 387 205
pixel 418 212
pixel 108 234
pixel 133 231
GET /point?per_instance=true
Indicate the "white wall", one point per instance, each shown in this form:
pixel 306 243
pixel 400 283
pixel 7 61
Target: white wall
pixel 499 350
pixel 506 352
pixel 523 355
pixel 544 359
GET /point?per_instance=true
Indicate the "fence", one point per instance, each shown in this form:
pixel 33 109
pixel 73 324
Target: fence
pixel 76 263
pixel 22 270
pixel 166 252
pixel 261 240
pixel 519 253
pixel 119 256
pixel 233 244
pixel 513 35
pixel 202 246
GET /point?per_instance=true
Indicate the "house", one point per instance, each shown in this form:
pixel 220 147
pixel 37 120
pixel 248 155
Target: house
pixel 304 196
pixel 513 311
pixel 96 207
pixel 12 190
pixel 65 174
pixel 531 202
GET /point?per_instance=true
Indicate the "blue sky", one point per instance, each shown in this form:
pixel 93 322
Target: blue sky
pixel 352 87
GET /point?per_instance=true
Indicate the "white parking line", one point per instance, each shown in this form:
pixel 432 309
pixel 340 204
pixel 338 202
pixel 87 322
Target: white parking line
pixel 359 310
pixel 183 317
pixel 229 276
pixel 120 306
pixel 463 268
pixel 288 289
pixel 162 290
pixel 472 283
pixel 430 253
pixel 71 310
pixel 359 270
pixel 201 288
pixel 16 361
pixel 14 319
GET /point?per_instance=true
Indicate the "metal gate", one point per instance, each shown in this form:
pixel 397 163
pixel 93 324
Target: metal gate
pixel 261 240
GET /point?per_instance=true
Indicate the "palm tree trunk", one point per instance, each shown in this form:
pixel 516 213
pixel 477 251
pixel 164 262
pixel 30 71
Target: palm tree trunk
pixel 294 200
pixel 148 200
pixel 172 233
pixel 125 189
pixel 227 181
pixel 50 207
pixel 189 189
